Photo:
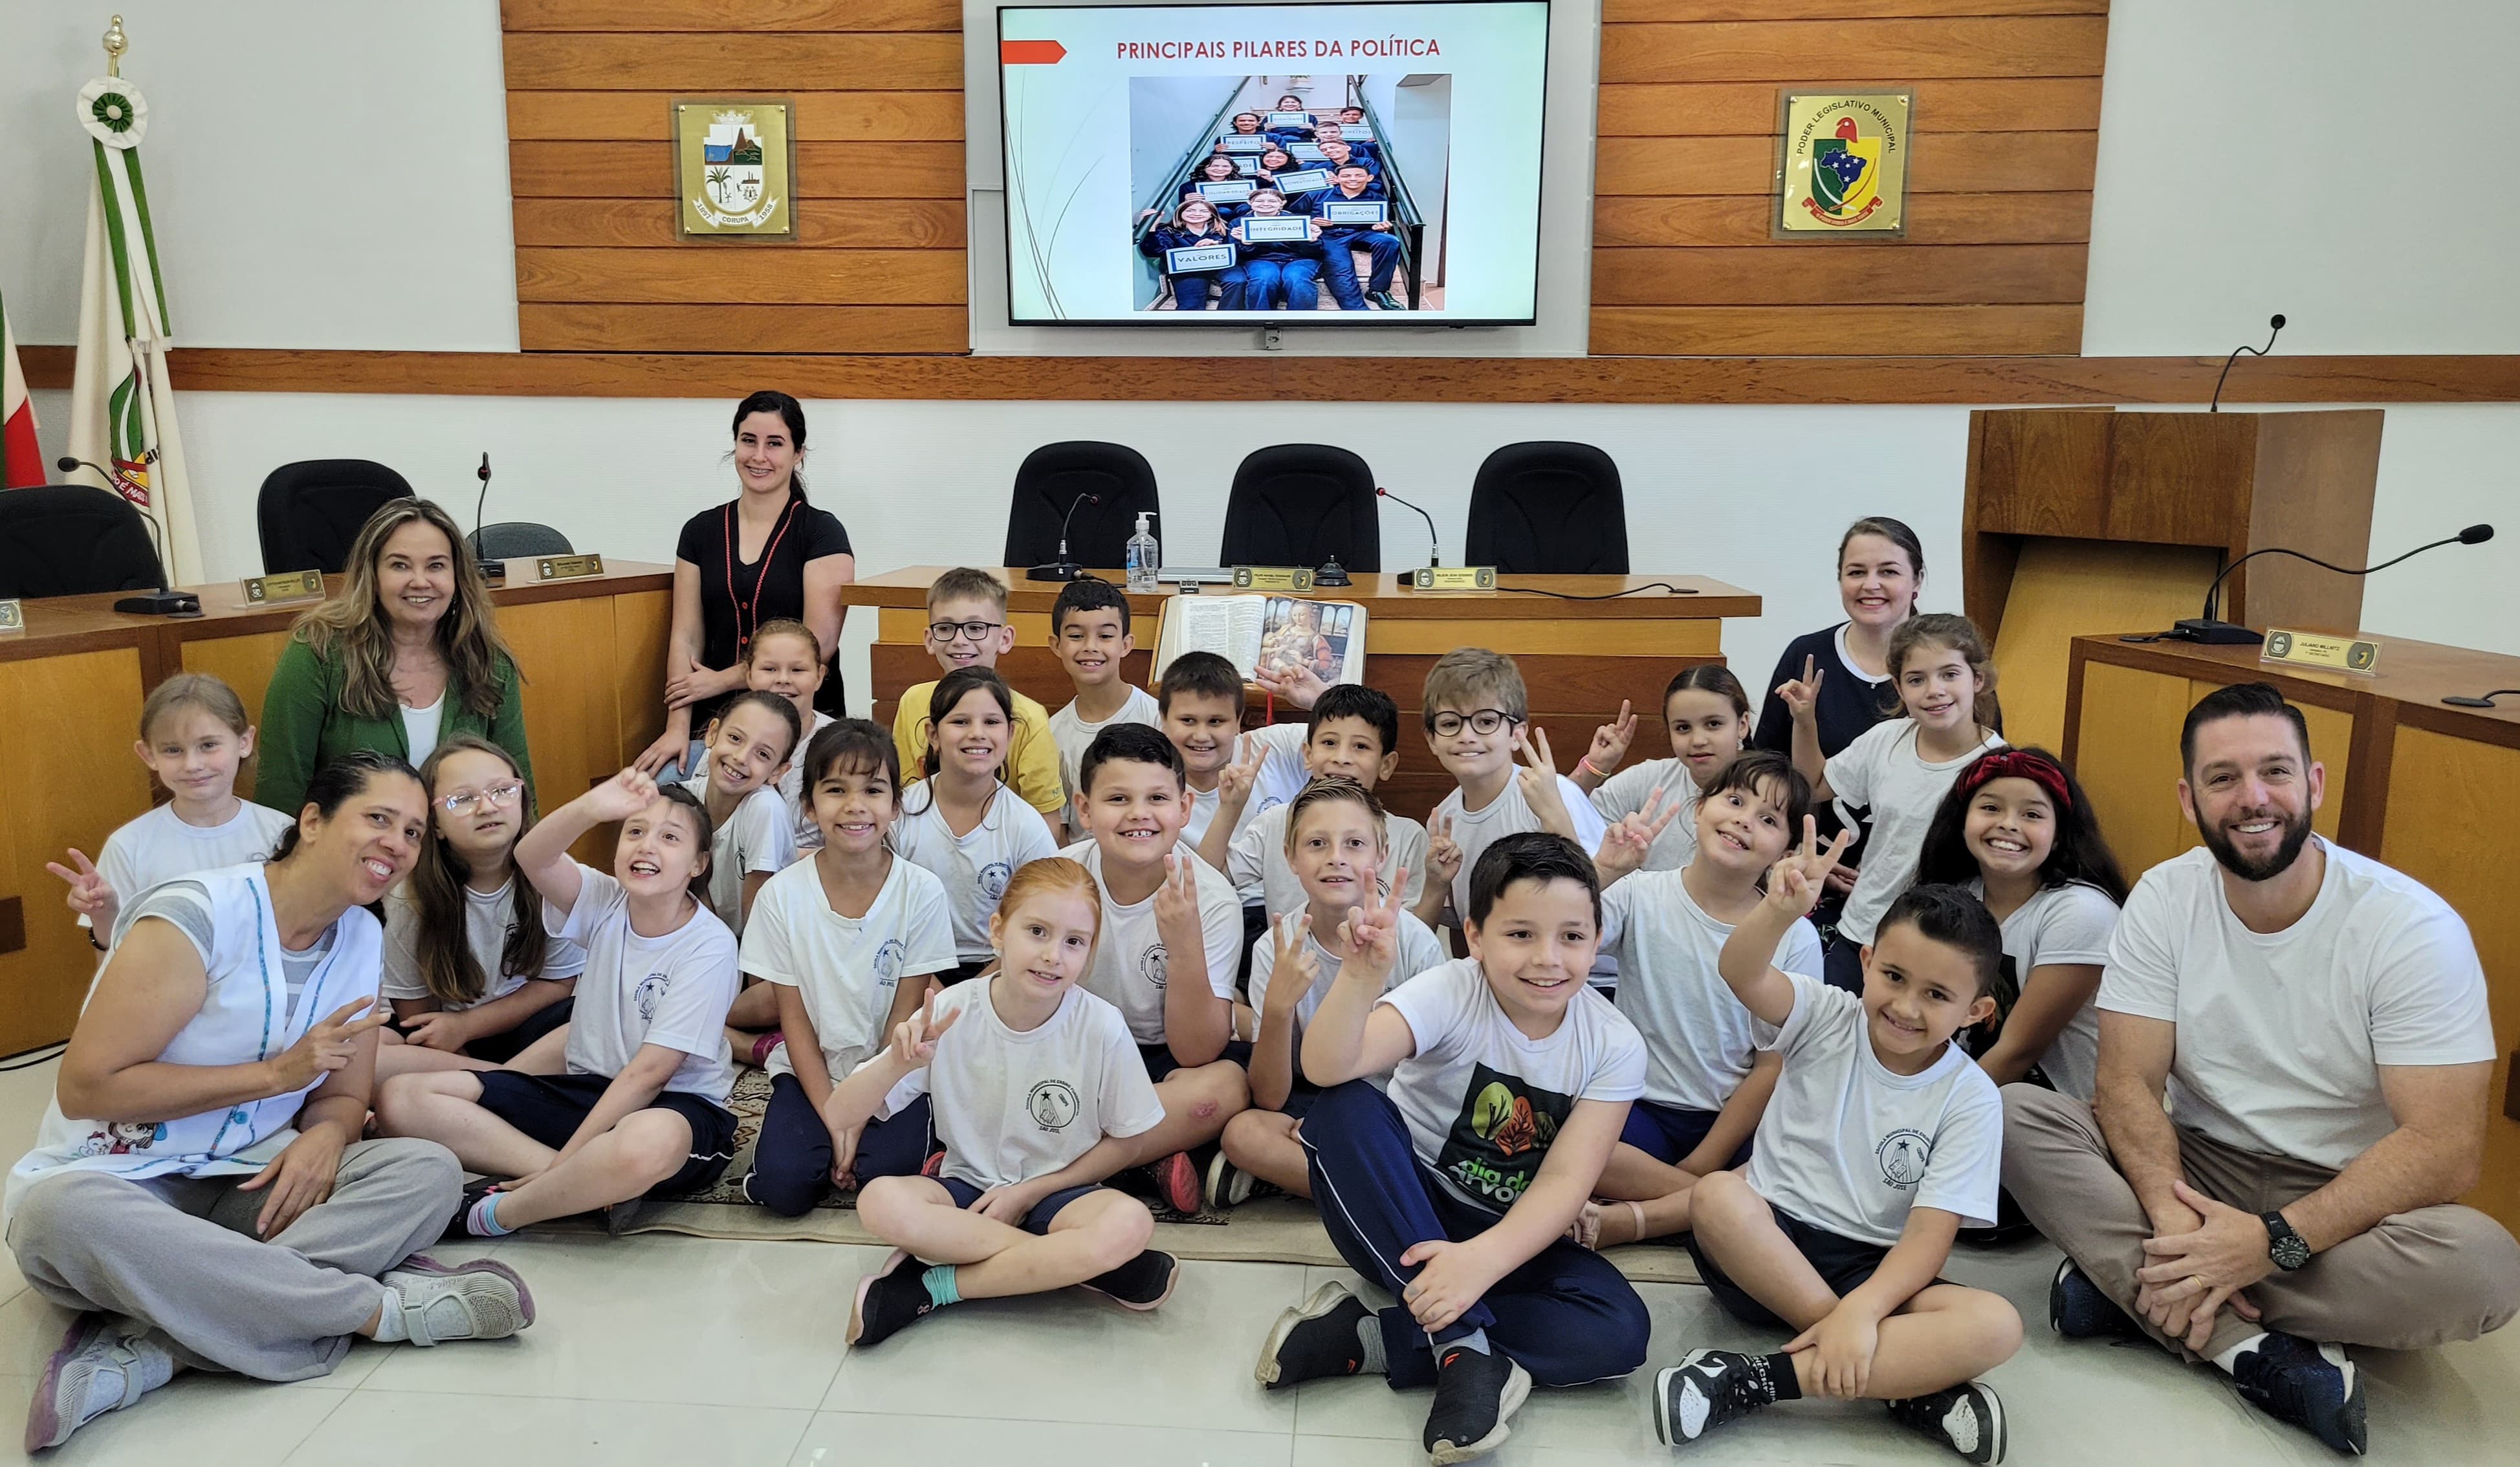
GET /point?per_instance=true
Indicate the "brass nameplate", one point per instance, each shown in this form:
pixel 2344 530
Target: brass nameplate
pixel 287 586
pixel 568 567
pixel 2317 649
pixel 1450 578
pixel 12 615
pixel 1272 578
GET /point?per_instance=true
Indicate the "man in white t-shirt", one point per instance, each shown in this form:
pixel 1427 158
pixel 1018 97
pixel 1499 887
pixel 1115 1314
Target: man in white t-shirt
pixel 2317 1024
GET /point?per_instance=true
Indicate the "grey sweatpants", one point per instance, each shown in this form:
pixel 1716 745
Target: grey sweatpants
pixel 180 1253
pixel 2418 1279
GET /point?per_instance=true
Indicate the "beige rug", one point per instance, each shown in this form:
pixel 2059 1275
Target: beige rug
pixel 1266 1231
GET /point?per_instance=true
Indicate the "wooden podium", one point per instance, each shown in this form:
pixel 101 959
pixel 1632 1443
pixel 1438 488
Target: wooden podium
pixel 1578 657
pixel 2410 781
pixel 2083 521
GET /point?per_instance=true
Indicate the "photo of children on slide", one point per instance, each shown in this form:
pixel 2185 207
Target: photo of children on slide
pixel 1289 193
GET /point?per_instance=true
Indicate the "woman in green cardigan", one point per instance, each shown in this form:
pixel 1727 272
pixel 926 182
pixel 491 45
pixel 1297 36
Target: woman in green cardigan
pixel 406 655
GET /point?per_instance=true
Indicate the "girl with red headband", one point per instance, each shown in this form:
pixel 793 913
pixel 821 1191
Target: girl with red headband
pixel 2017 830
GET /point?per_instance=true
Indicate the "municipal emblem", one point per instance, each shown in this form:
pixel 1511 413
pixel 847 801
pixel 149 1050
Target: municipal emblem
pixel 1053 1104
pixel 1904 1155
pixel 734 169
pixel 1844 166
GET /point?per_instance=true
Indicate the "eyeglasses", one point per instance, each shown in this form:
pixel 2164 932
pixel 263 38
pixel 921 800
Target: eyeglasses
pixel 1481 721
pixel 500 796
pixel 970 631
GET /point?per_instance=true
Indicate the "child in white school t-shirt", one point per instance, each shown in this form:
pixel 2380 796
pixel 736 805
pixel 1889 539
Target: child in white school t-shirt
pixel 961 820
pixel 1707 714
pixel 1882 1140
pixel 1037 1095
pixel 751 744
pixel 847 941
pixel 1336 848
pixel 785 658
pixel 630 1097
pixel 194 737
pixel 1900 767
pixel 1089 634
pixel 1476 712
pixel 1353 732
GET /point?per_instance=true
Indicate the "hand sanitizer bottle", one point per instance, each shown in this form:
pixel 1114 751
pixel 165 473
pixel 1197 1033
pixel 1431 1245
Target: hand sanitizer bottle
pixel 1144 557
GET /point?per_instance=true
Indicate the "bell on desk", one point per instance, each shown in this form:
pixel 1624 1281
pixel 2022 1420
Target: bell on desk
pixel 1331 574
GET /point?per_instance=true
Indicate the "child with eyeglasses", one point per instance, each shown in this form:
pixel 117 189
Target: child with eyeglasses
pixel 472 975
pixel 967 627
pixel 1476 717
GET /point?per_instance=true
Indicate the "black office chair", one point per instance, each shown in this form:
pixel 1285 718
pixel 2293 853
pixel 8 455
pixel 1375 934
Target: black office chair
pixel 1048 483
pixel 309 512
pixel 518 539
pixel 1299 504
pixel 1548 509
pixel 73 539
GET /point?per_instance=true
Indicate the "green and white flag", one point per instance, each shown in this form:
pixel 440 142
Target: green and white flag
pixel 122 403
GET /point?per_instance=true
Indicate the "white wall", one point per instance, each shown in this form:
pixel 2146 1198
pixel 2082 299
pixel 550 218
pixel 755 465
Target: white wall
pixel 320 174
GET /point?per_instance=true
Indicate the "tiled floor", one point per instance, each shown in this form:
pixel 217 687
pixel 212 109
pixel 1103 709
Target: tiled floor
pixel 681 1350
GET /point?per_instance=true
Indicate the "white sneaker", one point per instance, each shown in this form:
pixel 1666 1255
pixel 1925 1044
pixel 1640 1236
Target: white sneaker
pixel 104 1363
pixel 479 1300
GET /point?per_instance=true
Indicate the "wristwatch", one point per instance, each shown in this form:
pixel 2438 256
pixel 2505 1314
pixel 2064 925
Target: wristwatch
pixel 2284 1246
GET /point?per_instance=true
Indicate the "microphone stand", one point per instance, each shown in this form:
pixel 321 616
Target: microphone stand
pixel 2212 631
pixel 1434 546
pixel 1063 568
pixel 495 572
pixel 165 601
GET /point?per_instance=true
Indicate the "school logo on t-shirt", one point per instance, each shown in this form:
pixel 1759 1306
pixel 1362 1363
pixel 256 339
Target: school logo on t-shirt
pixel 649 993
pixel 993 880
pixel 1904 1155
pixel 1501 1136
pixel 887 962
pixel 1152 963
pixel 1053 1104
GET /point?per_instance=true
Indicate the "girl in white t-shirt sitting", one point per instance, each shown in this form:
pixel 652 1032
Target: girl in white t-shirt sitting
pixel 1881 1142
pixel 1336 845
pixel 194 737
pixel 630 1097
pixel 785 658
pixel 1707 715
pixel 1900 767
pixel 960 820
pixel 1036 1087
pixel 846 940
pixel 750 746
pixel 2019 831
pixel 473 976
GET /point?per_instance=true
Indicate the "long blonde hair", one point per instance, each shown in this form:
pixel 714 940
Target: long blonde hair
pixel 351 627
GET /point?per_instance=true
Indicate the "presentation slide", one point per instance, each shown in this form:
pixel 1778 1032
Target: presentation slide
pixel 1386 172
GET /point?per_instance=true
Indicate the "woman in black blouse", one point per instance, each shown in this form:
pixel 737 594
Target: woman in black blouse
pixel 765 555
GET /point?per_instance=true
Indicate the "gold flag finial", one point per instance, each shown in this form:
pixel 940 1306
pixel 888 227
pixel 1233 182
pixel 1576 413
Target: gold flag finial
pixel 116 43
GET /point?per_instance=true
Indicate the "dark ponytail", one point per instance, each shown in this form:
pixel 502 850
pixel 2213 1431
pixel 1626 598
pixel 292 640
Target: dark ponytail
pixel 790 411
pixel 335 781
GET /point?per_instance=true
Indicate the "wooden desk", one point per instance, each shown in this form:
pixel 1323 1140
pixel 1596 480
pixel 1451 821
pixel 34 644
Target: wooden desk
pixel 593 652
pixel 1578 657
pixel 2426 787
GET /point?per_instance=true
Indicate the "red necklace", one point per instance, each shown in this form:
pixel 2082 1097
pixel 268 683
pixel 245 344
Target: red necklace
pixel 761 578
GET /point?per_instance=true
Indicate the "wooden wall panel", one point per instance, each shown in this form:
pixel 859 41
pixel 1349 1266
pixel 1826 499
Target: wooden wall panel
pixel 878 265
pixel 2002 154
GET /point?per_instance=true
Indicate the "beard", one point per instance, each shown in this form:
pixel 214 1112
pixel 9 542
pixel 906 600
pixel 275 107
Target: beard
pixel 2296 834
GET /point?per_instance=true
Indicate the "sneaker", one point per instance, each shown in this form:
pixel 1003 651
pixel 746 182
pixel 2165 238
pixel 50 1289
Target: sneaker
pixel 460 1227
pixel 934 1166
pixel 1705 1390
pixel 763 1046
pixel 1476 1394
pixel 477 1300
pixel 1968 1418
pixel 105 1362
pixel 889 1298
pixel 1315 1339
pixel 2313 1387
pixel 1228 1185
pixel 2078 1310
pixel 1142 1283
pixel 1177 1182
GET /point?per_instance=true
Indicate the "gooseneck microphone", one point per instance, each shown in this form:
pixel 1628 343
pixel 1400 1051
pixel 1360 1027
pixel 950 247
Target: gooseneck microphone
pixel 162 602
pixel 1063 568
pixel 1433 546
pixel 2213 631
pixel 2274 329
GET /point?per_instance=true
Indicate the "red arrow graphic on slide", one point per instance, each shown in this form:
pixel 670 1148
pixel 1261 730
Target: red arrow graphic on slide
pixel 1030 52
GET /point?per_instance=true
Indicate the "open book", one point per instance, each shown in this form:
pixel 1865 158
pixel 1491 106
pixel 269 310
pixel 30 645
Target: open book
pixel 1266 634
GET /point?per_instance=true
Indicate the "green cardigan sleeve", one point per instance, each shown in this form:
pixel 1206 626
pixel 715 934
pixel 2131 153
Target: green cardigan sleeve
pixel 301 698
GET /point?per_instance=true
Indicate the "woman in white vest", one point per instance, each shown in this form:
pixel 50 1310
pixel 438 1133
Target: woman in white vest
pixel 216 1209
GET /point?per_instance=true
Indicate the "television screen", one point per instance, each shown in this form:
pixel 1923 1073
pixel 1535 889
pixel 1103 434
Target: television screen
pixel 1338 164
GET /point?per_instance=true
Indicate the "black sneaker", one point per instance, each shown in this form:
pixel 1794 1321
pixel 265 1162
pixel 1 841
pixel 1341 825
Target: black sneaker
pixel 1141 1284
pixel 461 1224
pixel 2078 1310
pixel 1967 1418
pixel 2315 1387
pixel 889 1298
pixel 1476 1394
pixel 1229 1185
pixel 1707 1389
pixel 1315 1339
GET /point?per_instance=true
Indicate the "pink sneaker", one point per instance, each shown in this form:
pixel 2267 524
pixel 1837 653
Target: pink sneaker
pixel 762 1047
pixel 1177 1182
